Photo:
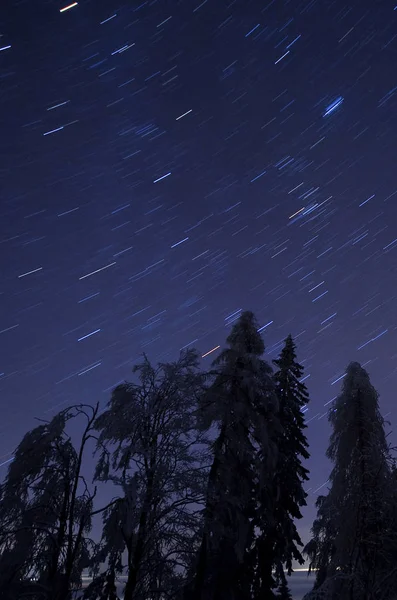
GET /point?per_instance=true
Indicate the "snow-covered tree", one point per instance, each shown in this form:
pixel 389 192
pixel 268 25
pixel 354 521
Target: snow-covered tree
pixel 150 447
pixel 118 533
pixel 353 520
pixel 241 403
pixel 320 548
pixel 46 509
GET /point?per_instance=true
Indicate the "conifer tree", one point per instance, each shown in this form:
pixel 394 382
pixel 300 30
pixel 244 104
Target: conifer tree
pixel 242 404
pixel 353 519
pixel 292 450
pixel 278 543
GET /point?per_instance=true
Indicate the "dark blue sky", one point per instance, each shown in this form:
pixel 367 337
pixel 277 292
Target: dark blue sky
pixel 153 156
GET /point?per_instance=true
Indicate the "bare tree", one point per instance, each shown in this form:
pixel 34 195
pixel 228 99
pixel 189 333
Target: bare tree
pixel 150 447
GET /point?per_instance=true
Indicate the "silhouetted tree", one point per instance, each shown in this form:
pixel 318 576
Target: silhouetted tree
pixel 150 447
pixel 353 519
pixel 277 543
pixel 283 591
pixel 241 403
pixel 46 509
pixel 292 451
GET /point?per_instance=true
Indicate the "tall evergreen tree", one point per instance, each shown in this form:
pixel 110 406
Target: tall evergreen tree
pixel 278 543
pixel 293 450
pixel 353 519
pixel 242 404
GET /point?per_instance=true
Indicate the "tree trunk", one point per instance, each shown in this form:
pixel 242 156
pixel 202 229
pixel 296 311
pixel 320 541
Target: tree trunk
pixel 135 558
pixel 54 565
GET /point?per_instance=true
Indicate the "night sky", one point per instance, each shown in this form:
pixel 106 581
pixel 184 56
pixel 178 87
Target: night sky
pixel 166 164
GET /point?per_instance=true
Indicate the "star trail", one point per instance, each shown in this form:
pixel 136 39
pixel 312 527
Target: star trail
pixel 166 165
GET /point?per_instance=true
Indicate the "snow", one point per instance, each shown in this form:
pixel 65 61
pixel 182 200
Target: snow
pixel 300 583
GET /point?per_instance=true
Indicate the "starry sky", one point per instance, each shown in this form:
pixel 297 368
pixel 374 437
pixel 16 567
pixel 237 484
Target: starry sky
pixel 167 164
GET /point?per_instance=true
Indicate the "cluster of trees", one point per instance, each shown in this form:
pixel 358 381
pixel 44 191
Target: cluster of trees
pixel 209 478
pixel 209 475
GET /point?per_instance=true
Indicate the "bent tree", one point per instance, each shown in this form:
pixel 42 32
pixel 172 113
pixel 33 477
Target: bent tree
pixel 46 508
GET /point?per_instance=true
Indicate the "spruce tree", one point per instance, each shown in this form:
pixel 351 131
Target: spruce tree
pixel 292 445
pixel 353 519
pixel 278 544
pixel 242 404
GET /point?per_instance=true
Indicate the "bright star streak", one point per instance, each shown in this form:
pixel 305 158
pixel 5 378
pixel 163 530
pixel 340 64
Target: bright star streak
pixel 184 114
pixel 163 177
pixel 97 271
pixel 210 351
pixel 65 8
pixel 88 335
